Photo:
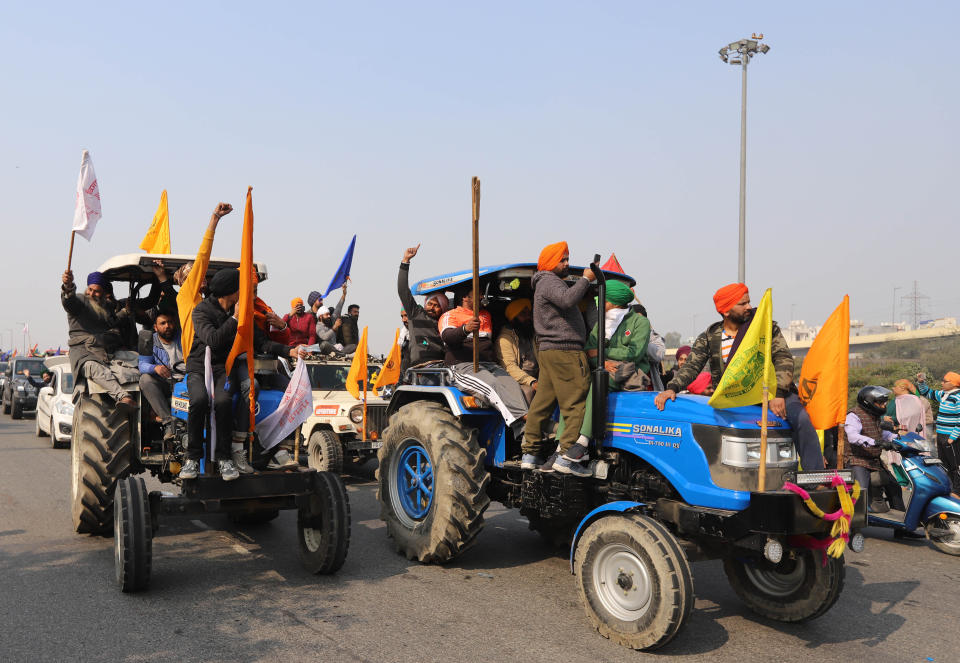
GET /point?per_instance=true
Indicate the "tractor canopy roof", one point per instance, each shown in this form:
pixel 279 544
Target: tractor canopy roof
pixel 131 267
pixel 510 281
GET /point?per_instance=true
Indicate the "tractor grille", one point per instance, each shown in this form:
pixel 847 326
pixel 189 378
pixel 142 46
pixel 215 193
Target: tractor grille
pixel 376 418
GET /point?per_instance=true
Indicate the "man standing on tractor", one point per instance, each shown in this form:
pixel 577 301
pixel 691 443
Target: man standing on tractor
pixel 564 369
pixel 716 347
pixel 215 328
pixel 96 331
pixel 425 343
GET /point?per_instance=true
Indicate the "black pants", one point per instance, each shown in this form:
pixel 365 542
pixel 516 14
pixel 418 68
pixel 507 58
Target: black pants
pixel 157 391
pixel 950 457
pixel 890 487
pixel 805 438
pixel 199 413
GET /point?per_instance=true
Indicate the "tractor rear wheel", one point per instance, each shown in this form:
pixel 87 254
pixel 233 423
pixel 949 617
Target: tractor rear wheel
pixel 101 455
pixel 432 483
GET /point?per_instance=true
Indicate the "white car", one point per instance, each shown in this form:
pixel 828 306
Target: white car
pixel 55 403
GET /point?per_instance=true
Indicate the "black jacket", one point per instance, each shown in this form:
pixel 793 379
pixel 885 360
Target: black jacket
pixel 215 328
pixel 425 343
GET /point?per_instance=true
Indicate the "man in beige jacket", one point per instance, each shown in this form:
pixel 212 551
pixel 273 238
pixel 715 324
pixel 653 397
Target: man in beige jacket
pixel 516 349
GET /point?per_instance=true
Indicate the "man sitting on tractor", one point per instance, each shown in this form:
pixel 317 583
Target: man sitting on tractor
pixel 161 366
pixel 425 343
pixel 96 333
pixel 716 347
pixel 492 383
pixel 216 328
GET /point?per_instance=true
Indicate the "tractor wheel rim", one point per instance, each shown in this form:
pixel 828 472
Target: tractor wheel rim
pixel 411 484
pixel 312 539
pixel 775 582
pixel 622 582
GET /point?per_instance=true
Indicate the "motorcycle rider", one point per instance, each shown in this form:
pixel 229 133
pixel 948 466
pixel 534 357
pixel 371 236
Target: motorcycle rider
pixel 867 438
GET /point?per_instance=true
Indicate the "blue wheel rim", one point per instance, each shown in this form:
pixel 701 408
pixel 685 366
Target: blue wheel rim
pixel 414 481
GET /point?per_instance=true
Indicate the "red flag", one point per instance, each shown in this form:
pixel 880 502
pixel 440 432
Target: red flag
pixel 612 265
pixel 243 343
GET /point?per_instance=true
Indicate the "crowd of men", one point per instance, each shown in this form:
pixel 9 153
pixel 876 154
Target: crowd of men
pixel 536 355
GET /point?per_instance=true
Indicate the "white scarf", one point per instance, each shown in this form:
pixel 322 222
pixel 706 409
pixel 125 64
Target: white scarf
pixel 614 317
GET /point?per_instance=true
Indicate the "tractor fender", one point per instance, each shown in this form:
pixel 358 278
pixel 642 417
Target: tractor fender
pixel 602 510
pixel 446 395
pixel 938 505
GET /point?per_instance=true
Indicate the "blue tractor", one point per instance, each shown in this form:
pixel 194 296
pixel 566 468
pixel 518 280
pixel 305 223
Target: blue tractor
pixel 667 488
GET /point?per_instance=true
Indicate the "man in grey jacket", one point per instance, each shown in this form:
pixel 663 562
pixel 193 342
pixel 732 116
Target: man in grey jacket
pixel 564 369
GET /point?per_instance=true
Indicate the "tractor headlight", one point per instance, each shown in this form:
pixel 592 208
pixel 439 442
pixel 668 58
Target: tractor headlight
pixel 356 414
pixel 66 409
pixel 20 387
pixel 745 452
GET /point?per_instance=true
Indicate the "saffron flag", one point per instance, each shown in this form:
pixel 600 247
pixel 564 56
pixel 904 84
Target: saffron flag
pixel 243 343
pixel 189 295
pixel 87 211
pixel 752 366
pixel 390 373
pixel 295 407
pixel 358 369
pixel 343 271
pixel 157 239
pixel 612 265
pixel 824 374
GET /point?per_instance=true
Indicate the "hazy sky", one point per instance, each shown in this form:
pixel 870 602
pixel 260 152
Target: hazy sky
pixel 612 125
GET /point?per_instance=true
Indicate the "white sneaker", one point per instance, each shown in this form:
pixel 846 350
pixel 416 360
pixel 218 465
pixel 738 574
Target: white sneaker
pixel 240 460
pixel 228 471
pixel 281 460
pixel 190 470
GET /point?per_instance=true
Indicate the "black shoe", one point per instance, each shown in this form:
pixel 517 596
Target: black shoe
pixel 906 534
pixel 577 453
pixel 548 466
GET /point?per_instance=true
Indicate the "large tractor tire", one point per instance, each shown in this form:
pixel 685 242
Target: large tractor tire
pixel 132 535
pixel 323 525
pixel 101 455
pixel 798 589
pixel 325 451
pixel 432 484
pixel 634 580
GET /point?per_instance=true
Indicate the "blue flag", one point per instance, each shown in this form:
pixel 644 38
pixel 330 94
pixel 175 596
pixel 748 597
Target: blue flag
pixel 343 271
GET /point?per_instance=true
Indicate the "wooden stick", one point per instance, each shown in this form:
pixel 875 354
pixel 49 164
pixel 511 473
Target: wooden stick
pixel 73 235
pixel 364 423
pixel 841 446
pixel 475 188
pixel 763 440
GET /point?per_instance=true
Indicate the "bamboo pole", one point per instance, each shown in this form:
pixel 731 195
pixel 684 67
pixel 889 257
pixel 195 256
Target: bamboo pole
pixel 762 484
pixel 475 188
pixel 841 446
pixel 364 423
pixel 73 236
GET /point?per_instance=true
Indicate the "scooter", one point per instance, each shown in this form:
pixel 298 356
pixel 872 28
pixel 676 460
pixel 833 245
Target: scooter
pixel 926 497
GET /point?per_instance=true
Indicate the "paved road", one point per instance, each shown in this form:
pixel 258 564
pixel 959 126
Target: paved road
pixel 221 593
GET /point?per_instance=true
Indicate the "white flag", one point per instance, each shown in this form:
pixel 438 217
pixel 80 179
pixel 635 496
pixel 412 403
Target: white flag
pixel 295 407
pixel 26 328
pixel 87 212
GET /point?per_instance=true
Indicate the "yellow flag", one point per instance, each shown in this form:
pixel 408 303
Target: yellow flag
pixel 189 295
pixel 752 365
pixel 358 369
pixel 157 239
pixel 390 373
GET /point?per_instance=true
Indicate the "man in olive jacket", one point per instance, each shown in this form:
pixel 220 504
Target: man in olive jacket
pixel 714 349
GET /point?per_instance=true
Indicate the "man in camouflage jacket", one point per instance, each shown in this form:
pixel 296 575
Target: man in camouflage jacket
pixel 733 304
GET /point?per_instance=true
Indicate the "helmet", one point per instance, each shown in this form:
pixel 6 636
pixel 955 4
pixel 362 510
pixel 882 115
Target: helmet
pixel 874 399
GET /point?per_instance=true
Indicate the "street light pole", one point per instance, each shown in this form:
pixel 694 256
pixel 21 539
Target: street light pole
pixel 893 315
pixel 740 52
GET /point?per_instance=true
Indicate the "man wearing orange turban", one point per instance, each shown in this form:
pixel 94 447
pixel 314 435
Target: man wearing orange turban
pixel 713 350
pixel 564 376
pixel 552 255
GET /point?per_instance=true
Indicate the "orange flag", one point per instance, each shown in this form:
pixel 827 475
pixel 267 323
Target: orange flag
pixel 243 343
pixel 823 377
pixel 358 368
pixel 390 373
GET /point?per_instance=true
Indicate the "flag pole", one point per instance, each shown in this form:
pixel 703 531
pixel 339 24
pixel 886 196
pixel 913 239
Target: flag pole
pixel 763 438
pixel 841 446
pixel 475 188
pixel 365 380
pixel 73 236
